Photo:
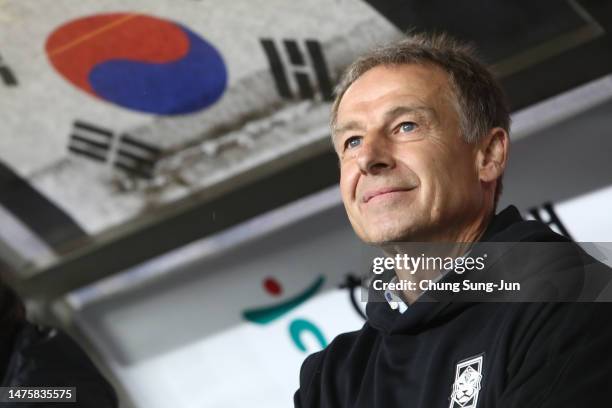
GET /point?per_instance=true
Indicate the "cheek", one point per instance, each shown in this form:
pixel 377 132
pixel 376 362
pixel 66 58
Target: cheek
pixel 348 179
pixel 421 166
pixel 438 167
pixel 437 180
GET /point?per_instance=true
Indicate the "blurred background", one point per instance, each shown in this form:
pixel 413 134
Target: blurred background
pixel 168 191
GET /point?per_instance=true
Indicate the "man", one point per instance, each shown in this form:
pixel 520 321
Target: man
pixel 421 131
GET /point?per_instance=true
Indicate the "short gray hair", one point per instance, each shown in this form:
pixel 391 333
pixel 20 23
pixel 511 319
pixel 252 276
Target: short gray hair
pixel 478 96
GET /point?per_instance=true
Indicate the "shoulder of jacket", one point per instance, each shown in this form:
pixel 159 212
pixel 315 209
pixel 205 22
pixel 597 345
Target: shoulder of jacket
pixel 337 350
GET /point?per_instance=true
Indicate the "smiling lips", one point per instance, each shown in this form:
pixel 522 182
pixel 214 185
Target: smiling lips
pixel 374 193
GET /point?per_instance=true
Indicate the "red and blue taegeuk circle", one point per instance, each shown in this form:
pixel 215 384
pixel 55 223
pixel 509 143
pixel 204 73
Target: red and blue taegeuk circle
pixel 139 62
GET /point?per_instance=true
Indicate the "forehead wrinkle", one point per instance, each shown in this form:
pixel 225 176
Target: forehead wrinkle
pixel 401 110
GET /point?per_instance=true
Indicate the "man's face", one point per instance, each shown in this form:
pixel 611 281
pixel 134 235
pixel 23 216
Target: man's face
pixel 405 171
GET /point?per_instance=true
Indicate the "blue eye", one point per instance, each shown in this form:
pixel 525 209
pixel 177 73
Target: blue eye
pixel 352 142
pixel 407 126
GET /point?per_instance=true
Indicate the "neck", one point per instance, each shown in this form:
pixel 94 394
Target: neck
pixel 463 240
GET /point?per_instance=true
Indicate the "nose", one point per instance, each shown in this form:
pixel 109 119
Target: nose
pixel 374 156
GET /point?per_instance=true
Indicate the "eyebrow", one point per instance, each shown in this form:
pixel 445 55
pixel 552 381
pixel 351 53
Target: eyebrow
pixel 401 110
pixel 352 125
pixel 389 116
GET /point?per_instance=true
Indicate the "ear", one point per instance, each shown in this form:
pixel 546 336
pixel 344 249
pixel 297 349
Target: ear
pixel 493 155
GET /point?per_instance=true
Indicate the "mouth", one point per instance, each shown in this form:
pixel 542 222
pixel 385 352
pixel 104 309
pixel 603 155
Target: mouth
pixel 383 192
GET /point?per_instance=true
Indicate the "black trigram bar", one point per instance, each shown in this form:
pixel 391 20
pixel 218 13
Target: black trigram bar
pixel 301 69
pixel 7 75
pixel 90 140
pixel 297 59
pixel 320 68
pixel 276 66
pixel 136 157
pixel 551 219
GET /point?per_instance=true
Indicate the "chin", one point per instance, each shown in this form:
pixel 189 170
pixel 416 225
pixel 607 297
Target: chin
pixel 390 230
pixel 395 233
